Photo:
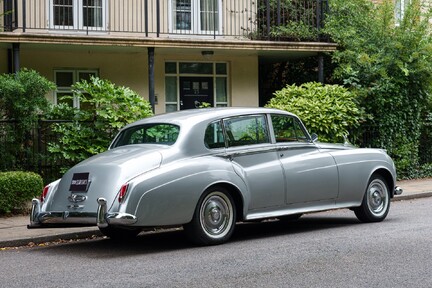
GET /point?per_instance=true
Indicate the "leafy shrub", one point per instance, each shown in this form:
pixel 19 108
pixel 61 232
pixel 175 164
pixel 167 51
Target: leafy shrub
pixel 22 101
pixel 16 189
pixel 295 31
pixel 328 110
pixel 90 131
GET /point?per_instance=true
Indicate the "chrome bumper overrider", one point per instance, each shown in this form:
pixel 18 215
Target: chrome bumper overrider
pixel 104 219
pixel 398 190
pixel 40 219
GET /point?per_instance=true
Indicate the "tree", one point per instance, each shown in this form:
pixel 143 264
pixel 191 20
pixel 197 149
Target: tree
pixel 388 64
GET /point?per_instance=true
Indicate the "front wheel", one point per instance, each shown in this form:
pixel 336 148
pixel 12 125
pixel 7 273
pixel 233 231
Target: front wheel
pixel 376 201
pixel 214 218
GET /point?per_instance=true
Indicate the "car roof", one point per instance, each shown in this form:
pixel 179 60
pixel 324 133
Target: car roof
pixel 193 116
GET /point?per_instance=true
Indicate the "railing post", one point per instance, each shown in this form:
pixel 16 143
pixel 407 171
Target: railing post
pixel 157 18
pixel 24 15
pixel 278 12
pixel 214 19
pixel 268 18
pixel 39 145
pixel 146 17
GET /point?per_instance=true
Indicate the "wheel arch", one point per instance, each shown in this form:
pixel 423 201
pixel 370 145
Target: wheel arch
pixel 235 194
pixel 388 177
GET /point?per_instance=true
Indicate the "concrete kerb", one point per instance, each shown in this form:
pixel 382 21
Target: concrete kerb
pixel 412 196
pixel 49 238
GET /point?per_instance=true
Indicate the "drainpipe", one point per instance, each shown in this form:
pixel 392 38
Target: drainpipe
pixel 9 61
pixel 16 57
pixel 151 77
pixel 321 68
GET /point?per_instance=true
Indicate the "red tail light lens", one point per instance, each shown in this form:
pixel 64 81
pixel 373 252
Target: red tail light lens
pixel 44 193
pixel 123 192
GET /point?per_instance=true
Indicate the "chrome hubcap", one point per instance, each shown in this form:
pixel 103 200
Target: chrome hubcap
pixel 216 214
pixel 377 197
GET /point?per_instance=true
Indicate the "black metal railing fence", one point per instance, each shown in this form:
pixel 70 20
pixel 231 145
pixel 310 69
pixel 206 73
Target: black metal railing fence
pixel 31 151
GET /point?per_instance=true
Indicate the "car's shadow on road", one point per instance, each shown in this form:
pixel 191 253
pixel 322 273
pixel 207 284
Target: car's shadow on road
pixel 171 240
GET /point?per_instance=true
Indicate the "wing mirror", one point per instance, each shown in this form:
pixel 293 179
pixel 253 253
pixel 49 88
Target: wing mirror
pixel 314 137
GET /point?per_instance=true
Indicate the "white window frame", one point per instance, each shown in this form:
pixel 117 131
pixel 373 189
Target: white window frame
pixel 68 89
pixel 78 14
pixel 214 75
pixel 400 8
pixel 195 19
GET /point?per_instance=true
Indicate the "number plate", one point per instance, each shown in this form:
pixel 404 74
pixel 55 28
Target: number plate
pixel 80 182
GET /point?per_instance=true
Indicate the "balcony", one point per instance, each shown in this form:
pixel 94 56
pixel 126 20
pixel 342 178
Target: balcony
pixel 242 20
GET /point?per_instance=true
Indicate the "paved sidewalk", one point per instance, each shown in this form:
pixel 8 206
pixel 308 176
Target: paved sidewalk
pixel 14 232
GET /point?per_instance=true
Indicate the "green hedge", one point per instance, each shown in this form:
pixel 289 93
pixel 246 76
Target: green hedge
pixel 331 111
pixel 17 188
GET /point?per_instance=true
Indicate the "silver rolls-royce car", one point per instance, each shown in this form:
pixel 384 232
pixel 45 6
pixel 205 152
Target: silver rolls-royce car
pixel 206 169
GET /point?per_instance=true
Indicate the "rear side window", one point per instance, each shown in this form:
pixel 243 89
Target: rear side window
pixel 288 129
pixel 246 130
pixel 214 137
pixel 148 134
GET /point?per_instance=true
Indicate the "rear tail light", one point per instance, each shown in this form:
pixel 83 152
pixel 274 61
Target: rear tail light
pixel 123 192
pixel 44 193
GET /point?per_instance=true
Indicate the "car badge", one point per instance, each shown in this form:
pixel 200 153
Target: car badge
pixel 75 198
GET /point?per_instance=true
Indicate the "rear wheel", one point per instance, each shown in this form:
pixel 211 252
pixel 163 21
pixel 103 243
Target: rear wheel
pixel 376 201
pixel 117 233
pixel 214 218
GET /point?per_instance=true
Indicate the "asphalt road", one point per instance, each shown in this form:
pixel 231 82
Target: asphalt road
pixel 330 249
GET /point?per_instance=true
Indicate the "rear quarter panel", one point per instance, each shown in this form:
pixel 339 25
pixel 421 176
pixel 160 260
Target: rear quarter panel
pixel 169 195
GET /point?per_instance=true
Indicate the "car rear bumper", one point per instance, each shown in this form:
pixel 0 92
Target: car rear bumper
pixel 43 219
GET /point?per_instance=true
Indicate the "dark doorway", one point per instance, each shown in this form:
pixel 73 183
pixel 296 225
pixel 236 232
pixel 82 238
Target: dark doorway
pixel 194 91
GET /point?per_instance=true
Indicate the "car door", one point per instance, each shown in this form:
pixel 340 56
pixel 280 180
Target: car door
pixel 255 159
pixel 310 175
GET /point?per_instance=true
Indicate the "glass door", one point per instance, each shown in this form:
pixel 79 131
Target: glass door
pixel 195 91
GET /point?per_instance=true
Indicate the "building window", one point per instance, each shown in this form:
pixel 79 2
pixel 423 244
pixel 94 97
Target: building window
pixel 78 14
pixel 64 79
pixel 196 72
pixel 400 8
pixel 195 16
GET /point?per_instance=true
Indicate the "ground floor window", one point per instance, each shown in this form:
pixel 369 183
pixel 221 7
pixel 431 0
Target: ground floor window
pixel 64 79
pixel 191 85
pixel 400 8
